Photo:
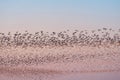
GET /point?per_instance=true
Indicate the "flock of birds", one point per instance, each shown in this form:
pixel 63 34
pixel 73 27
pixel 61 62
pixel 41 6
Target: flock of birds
pixel 95 38
pixel 100 37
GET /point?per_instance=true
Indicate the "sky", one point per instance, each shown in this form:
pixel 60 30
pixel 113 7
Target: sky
pixel 58 15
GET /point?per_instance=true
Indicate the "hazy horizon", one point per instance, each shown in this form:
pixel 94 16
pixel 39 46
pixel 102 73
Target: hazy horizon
pixel 52 15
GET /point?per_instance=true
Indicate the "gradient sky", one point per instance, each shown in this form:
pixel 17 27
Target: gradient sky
pixel 57 15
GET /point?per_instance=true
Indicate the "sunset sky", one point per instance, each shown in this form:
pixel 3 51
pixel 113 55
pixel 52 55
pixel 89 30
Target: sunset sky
pixel 57 15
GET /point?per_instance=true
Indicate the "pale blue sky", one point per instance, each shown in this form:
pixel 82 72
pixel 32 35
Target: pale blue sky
pixel 55 15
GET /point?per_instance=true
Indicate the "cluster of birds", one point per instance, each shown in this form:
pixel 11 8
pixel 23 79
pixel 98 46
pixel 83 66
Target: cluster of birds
pixel 37 59
pixel 95 38
pixel 100 37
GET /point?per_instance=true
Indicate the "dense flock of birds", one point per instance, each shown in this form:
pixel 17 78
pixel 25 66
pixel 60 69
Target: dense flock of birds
pixel 100 37
pixel 94 38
